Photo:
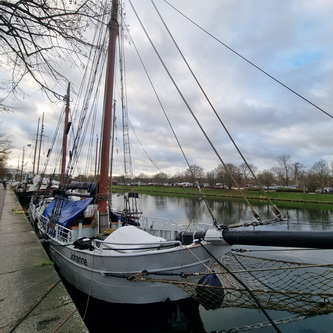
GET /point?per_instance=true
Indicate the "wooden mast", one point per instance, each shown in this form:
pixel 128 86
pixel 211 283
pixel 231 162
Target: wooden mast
pixel 107 120
pixel 64 139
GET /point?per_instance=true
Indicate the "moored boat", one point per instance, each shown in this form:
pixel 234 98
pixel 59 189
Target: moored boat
pixel 151 260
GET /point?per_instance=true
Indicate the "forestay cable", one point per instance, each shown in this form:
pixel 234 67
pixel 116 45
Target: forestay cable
pixel 250 62
pixel 255 214
pixel 274 208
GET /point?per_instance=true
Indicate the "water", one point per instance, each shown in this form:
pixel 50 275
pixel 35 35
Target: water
pixel 182 210
pixel 188 316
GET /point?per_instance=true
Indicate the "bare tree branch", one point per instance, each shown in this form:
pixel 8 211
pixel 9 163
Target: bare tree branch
pixel 37 35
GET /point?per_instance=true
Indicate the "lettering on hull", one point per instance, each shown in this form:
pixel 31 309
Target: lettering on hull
pixel 78 259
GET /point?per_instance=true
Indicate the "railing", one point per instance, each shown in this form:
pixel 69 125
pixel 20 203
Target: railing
pixel 166 228
pixel 160 227
pixel 63 234
pixel 42 223
pixel 55 231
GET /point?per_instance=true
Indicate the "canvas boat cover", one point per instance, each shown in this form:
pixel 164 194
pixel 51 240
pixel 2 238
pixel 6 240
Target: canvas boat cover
pixel 130 239
pixel 69 209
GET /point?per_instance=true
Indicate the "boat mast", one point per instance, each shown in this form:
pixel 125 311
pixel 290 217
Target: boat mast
pixel 64 139
pixel 22 165
pixel 107 119
pixel 40 143
pixel 35 151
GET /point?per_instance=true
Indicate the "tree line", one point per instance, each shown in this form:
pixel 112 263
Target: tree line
pixel 286 173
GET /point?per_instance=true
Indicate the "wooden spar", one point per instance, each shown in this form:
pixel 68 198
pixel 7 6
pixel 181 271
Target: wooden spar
pixel 306 239
pixel 107 119
pixel 64 139
pixel 303 239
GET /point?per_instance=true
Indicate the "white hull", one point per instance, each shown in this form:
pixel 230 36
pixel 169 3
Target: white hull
pixel 104 270
pixel 103 276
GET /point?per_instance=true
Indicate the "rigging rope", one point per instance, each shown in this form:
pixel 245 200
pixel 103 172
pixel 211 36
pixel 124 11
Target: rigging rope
pixel 250 62
pixel 95 72
pixel 159 100
pixel 172 129
pixel 255 214
pixel 60 122
pixel 123 96
pixel 274 208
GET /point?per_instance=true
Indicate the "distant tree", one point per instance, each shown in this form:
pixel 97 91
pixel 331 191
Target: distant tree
pixel 179 177
pixel 37 37
pixel 228 174
pixel 210 176
pixel 233 174
pixel 5 147
pixel 195 173
pixel 299 174
pixel 142 178
pixel 320 174
pixel 284 169
pixel 160 178
pixel 246 172
pixel 266 177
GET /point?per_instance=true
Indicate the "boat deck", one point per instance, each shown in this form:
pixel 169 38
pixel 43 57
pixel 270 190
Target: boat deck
pixel 33 298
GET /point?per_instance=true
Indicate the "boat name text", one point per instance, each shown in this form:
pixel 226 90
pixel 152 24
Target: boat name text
pixel 78 259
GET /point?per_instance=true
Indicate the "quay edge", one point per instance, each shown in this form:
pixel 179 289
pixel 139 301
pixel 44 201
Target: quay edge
pixel 33 297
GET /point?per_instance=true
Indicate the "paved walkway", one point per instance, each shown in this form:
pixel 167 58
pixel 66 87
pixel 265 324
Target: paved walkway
pixel 32 296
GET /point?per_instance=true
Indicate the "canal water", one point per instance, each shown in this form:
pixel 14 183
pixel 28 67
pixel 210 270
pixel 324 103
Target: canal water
pixel 184 210
pixel 189 317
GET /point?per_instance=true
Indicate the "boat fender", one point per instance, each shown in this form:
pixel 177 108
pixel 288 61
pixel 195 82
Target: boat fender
pixel 83 243
pixel 210 292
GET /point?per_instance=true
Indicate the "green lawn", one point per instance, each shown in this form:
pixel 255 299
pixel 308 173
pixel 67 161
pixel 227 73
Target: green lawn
pixel 296 197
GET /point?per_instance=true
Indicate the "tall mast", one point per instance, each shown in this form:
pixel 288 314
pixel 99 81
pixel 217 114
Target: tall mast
pixel 107 119
pixel 40 142
pixel 22 165
pixel 35 152
pixel 64 139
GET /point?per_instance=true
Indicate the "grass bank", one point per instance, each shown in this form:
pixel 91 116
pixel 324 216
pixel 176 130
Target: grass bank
pixel 295 197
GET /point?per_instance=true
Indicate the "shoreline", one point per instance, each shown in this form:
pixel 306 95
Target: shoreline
pixel 291 197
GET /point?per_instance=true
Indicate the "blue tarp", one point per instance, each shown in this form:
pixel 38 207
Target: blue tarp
pixel 69 210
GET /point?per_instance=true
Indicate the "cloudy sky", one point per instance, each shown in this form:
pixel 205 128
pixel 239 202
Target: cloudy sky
pixel 290 40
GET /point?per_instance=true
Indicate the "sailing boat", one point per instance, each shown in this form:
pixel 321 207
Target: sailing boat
pixel 147 263
pixel 33 183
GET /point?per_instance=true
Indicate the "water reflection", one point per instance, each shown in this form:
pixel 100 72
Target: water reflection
pixel 186 210
pixel 302 217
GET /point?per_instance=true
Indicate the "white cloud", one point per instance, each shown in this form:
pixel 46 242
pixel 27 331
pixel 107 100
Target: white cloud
pixel 291 40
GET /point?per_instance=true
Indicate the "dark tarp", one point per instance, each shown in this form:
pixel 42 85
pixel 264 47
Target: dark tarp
pixel 69 210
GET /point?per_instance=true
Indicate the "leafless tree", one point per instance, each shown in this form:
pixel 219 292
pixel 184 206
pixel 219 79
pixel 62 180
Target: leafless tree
pixel 228 175
pixel 195 173
pixel 246 172
pixel 284 170
pixel 160 177
pixel 320 174
pixel 266 177
pixel 5 146
pixel 38 36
